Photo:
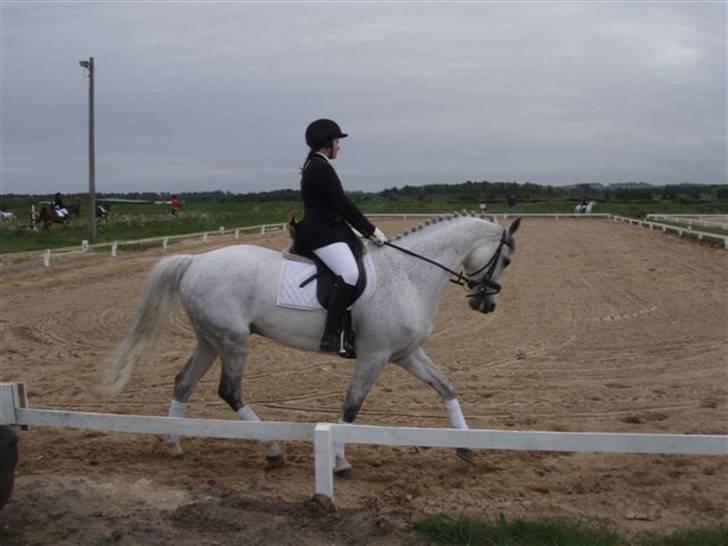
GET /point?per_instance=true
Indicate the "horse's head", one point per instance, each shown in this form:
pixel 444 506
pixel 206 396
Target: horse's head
pixel 484 267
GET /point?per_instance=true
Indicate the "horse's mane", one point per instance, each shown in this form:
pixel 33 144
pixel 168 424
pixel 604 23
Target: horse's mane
pixel 443 218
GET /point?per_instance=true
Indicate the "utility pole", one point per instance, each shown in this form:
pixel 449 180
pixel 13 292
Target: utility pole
pixel 89 65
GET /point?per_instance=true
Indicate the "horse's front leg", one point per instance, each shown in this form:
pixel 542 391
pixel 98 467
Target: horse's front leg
pixel 420 365
pixel 233 363
pixel 366 372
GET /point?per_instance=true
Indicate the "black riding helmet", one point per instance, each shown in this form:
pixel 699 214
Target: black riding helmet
pixel 321 132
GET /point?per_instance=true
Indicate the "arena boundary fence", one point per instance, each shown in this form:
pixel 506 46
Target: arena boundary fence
pixel 267 228
pixel 113 246
pixel 681 231
pixel 14 411
pixel 705 220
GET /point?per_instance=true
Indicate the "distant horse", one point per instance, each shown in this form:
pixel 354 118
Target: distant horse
pixel 7 216
pixel 231 293
pixel 49 215
pixel 102 212
pixel 585 209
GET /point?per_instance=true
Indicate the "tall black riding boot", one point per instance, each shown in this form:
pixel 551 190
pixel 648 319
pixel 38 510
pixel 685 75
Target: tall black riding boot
pixel 333 338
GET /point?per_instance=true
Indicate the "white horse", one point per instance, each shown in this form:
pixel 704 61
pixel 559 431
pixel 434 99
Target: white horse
pixel 7 216
pixel 585 209
pixel 230 293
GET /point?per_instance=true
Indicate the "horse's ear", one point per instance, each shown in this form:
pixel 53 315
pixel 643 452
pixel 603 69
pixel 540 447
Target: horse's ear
pixel 291 223
pixel 514 226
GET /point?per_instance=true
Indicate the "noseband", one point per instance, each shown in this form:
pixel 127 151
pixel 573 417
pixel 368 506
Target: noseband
pixel 485 286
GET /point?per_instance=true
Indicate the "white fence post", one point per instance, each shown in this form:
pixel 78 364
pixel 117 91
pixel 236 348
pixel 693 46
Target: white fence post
pixel 262 230
pixel 47 258
pixel 324 459
pixel 237 233
pixel 165 242
pixel 9 400
pixel 84 245
pixel 114 248
pixel 204 237
pixel 222 230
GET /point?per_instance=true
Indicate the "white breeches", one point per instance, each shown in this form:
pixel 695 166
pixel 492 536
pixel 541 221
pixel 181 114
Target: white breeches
pixel 339 259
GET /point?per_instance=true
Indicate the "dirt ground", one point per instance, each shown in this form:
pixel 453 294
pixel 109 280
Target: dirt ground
pixel 601 327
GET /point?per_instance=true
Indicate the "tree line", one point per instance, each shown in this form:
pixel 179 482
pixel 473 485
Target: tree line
pixel 470 191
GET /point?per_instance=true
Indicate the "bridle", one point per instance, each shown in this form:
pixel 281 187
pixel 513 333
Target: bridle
pixel 485 286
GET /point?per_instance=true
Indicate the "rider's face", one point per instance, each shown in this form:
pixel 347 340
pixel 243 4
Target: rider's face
pixel 334 150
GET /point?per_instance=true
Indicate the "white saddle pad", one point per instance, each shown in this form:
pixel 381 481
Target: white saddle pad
pixel 296 270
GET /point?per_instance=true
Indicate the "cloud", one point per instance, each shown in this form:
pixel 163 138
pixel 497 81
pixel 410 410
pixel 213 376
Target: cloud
pixel 219 94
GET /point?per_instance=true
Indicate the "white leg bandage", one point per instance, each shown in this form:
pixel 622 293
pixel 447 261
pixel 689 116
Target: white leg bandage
pixel 456 414
pixel 177 409
pixel 339 447
pixel 246 413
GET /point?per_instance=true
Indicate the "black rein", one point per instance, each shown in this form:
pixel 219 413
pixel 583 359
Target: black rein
pixel 465 280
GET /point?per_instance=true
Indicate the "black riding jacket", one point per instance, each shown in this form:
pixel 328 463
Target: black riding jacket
pixel 327 211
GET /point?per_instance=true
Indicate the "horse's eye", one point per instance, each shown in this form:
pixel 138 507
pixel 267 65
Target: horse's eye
pixel 506 262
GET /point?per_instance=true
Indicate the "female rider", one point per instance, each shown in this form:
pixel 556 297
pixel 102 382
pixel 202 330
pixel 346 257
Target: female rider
pixel 325 228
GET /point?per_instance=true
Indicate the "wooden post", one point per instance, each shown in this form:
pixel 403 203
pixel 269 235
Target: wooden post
pixel 47 258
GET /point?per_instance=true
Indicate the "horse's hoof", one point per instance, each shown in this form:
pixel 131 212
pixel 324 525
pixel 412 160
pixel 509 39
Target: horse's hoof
pixel 274 461
pixel 467 455
pixel 343 473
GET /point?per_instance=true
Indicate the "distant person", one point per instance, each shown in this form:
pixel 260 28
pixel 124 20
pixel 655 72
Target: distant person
pixel 60 206
pixel 483 207
pixel 174 205
pixel 325 228
pixel 511 204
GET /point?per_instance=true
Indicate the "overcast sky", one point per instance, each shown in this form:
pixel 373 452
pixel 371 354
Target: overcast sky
pixel 194 96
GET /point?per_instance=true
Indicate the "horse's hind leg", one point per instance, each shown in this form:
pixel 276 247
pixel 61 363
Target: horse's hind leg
pixel 420 365
pixel 233 364
pixel 184 383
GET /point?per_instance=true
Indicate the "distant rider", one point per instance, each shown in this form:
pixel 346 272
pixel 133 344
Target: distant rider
pixel 60 206
pixel 174 205
pixel 325 228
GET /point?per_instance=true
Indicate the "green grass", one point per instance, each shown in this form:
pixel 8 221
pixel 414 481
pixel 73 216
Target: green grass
pixel 467 531
pixel 131 222
pixel 518 532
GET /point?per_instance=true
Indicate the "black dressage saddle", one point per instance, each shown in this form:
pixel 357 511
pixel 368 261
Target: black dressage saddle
pixel 325 279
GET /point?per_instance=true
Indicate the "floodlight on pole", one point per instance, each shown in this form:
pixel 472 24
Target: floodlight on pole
pixel 89 65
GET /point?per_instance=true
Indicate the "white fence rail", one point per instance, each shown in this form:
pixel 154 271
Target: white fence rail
pixel 114 246
pixel 14 411
pixel 682 232
pixel 705 220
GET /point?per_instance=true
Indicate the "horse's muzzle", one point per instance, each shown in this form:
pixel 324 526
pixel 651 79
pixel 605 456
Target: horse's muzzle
pixel 479 303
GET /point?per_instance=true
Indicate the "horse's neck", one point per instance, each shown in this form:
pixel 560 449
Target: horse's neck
pixel 448 243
